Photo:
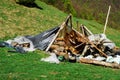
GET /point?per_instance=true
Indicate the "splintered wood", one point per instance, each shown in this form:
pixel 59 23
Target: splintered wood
pixel 75 44
pixel 72 45
pixel 59 47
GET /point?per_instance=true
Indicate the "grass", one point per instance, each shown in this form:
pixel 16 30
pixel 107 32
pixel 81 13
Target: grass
pixel 17 20
pixel 15 66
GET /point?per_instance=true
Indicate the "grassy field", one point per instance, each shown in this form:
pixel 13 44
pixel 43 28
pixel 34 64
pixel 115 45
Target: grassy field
pixel 17 20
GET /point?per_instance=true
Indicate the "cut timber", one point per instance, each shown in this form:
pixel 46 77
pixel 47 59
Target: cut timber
pixel 100 63
pixel 54 47
pixel 59 39
pixel 60 43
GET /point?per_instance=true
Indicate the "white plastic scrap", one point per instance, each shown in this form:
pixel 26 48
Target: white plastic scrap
pixel 89 57
pixel 99 58
pixel 97 37
pixel 117 59
pixel 110 59
pixel 113 59
pixel 52 59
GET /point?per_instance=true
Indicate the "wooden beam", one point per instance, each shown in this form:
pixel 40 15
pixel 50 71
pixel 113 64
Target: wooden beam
pixel 100 63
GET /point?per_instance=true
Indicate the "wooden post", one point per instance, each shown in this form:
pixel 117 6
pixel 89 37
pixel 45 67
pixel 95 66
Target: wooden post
pixel 106 19
pixel 82 30
pixel 78 26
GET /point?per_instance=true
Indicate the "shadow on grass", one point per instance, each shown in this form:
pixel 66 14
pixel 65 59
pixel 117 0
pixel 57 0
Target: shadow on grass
pixel 30 5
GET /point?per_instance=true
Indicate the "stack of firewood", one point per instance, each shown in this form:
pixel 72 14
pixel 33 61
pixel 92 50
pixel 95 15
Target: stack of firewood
pixel 59 48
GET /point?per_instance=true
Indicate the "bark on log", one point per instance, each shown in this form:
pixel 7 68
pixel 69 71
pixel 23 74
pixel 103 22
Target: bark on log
pixel 59 39
pixel 60 43
pixel 54 47
pixel 100 63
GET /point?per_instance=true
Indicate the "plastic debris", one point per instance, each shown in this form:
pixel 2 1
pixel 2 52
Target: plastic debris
pixel 51 59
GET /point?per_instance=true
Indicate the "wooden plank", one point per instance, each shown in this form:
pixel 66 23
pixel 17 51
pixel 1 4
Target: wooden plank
pixel 100 63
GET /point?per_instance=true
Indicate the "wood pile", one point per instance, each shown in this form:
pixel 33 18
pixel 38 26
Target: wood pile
pixel 72 44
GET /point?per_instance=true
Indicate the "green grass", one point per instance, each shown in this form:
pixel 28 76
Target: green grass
pixel 16 20
pixel 15 66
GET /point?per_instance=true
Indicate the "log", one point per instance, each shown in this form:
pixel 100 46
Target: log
pixel 59 39
pixel 54 47
pixel 73 50
pixel 60 43
pixel 100 63
pixel 57 48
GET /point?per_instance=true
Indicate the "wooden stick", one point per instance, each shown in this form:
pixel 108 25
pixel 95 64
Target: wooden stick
pixel 85 28
pixel 100 63
pixel 84 51
pixel 87 41
pixel 61 27
pixel 101 52
pixel 83 32
pixel 106 19
pixel 78 26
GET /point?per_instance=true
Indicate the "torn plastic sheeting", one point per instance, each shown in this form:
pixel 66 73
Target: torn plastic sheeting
pixel 52 58
pixel 42 40
pixel 44 43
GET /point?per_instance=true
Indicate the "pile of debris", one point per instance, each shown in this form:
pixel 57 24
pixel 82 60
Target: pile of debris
pixel 65 43
pixel 84 47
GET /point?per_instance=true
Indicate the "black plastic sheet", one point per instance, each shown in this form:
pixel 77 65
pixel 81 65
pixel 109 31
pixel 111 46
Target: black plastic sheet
pixel 42 40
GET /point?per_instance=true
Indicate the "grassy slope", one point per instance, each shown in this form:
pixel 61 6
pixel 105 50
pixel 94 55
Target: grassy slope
pixel 16 20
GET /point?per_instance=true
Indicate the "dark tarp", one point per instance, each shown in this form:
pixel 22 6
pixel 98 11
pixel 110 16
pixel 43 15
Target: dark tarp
pixel 42 40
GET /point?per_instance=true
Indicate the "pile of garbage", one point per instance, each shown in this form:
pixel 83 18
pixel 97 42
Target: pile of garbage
pixel 64 43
